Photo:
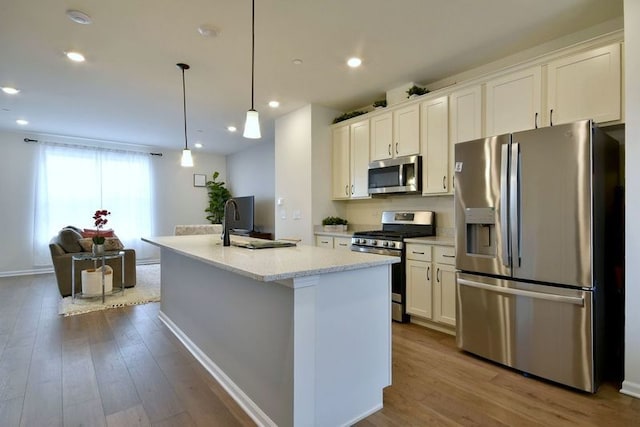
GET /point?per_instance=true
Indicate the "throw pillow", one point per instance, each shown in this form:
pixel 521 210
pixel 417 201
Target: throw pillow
pixel 87 232
pixel 110 244
pixel 68 239
pixel 86 243
pixel 113 244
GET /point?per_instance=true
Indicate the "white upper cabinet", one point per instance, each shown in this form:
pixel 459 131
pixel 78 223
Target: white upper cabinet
pixel 351 161
pixel 434 137
pixel 340 162
pixel 585 86
pixel 513 102
pixel 406 131
pixel 381 136
pixel 396 133
pixel 359 153
pixel 465 114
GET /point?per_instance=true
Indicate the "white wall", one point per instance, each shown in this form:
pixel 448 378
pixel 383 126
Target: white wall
pixel 631 384
pixel 252 172
pixel 176 201
pixel 303 171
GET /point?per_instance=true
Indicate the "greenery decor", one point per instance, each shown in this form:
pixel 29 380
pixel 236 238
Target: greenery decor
pixel 334 220
pixel 347 116
pixel 218 195
pixel 416 90
pixel 100 220
pixel 380 103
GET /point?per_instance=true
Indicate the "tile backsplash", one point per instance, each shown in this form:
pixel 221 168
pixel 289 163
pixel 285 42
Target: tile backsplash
pixel 369 211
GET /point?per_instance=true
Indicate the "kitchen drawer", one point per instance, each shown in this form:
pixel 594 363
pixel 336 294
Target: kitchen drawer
pixel 444 255
pixel 418 252
pixel 343 243
pixel 324 241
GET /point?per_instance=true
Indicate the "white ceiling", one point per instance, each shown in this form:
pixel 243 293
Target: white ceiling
pixel 129 89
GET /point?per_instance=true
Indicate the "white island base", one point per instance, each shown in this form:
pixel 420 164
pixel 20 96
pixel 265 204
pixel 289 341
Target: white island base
pixel 311 350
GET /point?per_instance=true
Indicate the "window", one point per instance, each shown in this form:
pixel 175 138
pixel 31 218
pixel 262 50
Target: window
pixel 74 181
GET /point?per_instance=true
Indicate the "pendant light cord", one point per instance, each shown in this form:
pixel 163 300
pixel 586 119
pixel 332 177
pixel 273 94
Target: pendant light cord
pixel 184 109
pixel 253 44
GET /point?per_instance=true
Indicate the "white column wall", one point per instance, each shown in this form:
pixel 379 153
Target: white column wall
pixel 631 384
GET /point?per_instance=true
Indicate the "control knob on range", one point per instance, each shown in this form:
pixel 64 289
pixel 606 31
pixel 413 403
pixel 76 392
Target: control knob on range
pixel 374 242
pixel 392 244
pixel 385 244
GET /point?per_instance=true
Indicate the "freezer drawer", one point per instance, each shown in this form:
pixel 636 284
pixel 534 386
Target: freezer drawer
pixel 542 330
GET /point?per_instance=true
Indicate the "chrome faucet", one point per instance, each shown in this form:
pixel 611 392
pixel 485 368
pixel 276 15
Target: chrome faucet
pixel 226 241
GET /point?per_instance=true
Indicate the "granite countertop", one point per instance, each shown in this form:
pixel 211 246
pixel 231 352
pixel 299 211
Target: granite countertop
pixel 334 233
pixel 433 240
pixel 268 265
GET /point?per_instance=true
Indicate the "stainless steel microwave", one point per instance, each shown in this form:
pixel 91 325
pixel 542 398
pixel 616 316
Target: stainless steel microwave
pixel 399 175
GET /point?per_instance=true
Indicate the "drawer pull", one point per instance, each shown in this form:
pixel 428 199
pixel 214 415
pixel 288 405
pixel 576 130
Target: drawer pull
pixel 342 244
pixel 417 253
pixel 449 256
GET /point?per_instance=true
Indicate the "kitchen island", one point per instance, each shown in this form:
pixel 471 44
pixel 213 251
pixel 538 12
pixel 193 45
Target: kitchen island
pixel 299 336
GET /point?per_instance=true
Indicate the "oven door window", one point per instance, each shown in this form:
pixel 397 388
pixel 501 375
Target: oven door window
pixel 384 177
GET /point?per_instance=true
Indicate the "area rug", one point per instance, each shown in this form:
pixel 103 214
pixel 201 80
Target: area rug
pixel 147 289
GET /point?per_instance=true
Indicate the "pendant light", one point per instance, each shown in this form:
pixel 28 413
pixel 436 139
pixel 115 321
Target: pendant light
pixel 252 123
pixel 186 160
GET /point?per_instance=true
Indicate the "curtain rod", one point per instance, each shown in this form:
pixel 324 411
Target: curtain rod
pixel 87 147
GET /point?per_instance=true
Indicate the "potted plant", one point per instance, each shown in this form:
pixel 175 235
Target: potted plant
pixel 334 223
pixel 381 103
pixel 347 116
pixel 416 91
pixel 218 195
pixel 99 220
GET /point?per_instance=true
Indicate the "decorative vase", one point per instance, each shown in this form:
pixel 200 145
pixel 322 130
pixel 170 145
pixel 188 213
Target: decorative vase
pixel 98 249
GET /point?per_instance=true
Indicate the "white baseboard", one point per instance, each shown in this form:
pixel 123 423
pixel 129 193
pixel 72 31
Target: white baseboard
pixel 364 415
pixel 31 272
pixel 631 389
pixel 248 405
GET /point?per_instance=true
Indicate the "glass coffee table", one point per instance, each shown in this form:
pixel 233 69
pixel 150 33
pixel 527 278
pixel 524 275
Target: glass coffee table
pixel 96 259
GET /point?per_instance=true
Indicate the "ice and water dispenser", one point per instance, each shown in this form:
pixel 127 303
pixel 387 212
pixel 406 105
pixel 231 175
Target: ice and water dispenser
pixel 481 231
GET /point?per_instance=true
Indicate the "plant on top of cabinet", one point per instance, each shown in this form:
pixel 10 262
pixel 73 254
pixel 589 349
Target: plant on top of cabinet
pixel 334 223
pixel 381 103
pixel 347 116
pixel 416 90
pixel 218 195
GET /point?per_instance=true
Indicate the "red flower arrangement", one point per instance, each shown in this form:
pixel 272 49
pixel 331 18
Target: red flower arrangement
pixel 100 220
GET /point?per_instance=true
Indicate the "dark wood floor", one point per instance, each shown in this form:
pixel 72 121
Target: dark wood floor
pixel 122 367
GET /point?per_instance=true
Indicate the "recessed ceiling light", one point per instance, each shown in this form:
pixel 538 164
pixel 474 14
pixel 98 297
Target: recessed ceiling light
pixel 208 31
pixel 197 145
pixel 10 90
pixel 354 62
pixel 274 104
pixel 22 122
pixel 297 61
pixel 75 56
pixel 79 17
pixel 231 128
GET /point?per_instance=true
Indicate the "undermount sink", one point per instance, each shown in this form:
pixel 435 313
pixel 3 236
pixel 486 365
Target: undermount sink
pixel 262 244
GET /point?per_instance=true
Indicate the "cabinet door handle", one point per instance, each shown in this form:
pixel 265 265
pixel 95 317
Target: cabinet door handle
pixel 397 148
pixel 389 149
pixel 535 121
pixel 428 273
pixel 352 189
pixel 444 182
pixel 438 275
pixel 346 189
pixel 551 117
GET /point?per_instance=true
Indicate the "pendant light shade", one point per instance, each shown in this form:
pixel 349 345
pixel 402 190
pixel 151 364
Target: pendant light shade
pixel 252 123
pixel 186 160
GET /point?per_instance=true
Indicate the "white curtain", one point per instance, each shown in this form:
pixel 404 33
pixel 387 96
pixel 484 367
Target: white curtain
pixel 74 181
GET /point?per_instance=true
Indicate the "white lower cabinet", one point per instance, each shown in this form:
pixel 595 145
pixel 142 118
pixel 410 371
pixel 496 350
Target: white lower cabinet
pixel 431 286
pixel 340 243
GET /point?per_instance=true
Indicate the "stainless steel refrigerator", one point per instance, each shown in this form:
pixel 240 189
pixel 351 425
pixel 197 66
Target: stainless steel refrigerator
pixel 532 213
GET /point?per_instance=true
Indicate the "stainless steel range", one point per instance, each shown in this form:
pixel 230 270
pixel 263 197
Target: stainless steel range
pixel 396 226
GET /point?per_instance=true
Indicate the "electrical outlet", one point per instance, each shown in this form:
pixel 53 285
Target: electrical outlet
pixel 296 214
pixel 283 214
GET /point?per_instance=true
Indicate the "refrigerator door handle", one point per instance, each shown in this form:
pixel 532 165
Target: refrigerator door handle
pixel 504 203
pixel 514 203
pixel 519 292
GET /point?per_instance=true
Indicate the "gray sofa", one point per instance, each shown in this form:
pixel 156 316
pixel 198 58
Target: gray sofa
pixel 63 247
